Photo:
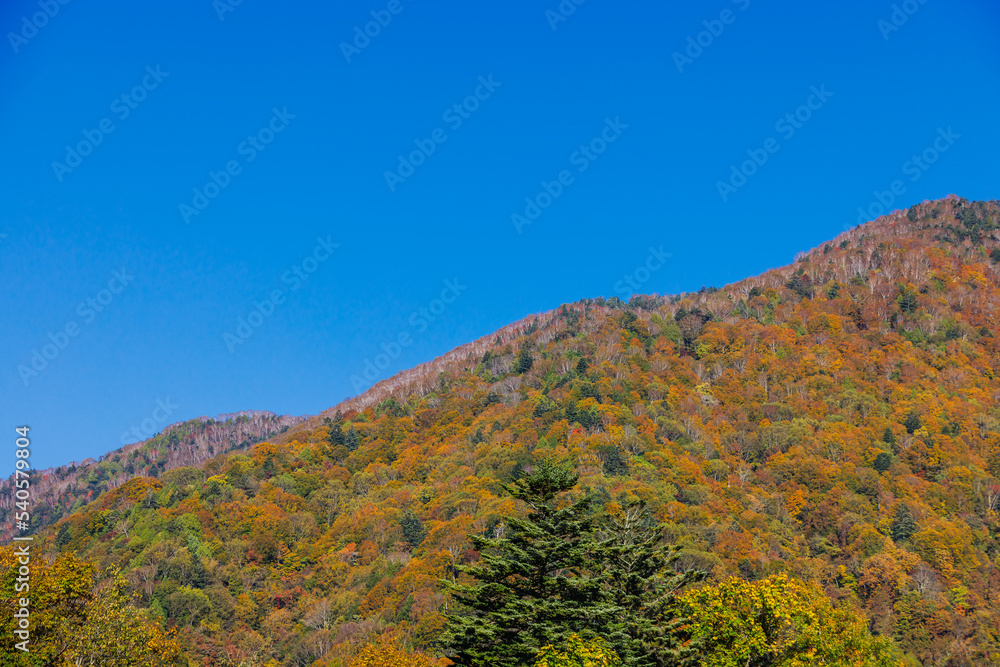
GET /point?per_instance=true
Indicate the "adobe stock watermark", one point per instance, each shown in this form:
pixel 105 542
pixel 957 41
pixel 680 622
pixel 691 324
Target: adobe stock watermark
pixel 787 125
pixel 713 30
pixel 581 158
pixel 22 585
pixel 122 106
pixel 565 9
pixel 87 310
pixel 151 425
pixel 223 7
pixel 381 18
pixel 901 13
pixel 295 278
pixel 631 282
pixel 30 27
pixel 249 148
pixel 418 321
pixel 915 167
pixel 455 116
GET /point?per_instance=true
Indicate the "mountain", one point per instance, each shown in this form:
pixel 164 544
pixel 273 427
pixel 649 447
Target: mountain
pixel 57 492
pixel 836 420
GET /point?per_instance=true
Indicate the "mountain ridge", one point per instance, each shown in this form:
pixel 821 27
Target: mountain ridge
pixel 412 377
pixel 836 420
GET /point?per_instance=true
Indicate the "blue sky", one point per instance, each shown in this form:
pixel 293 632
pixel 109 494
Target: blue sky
pixel 171 170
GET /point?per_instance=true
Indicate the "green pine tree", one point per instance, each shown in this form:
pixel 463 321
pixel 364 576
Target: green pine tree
pixel 413 529
pixel 524 362
pixel 336 435
pixel 351 440
pixel 614 462
pixel 532 587
pixel 903 525
pixel 640 580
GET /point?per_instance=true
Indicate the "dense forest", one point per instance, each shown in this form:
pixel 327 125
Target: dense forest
pixel 825 435
pixel 57 492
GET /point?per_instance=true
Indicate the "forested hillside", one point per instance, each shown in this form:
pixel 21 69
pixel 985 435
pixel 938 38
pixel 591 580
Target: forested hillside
pixel 57 492
pixel 835 421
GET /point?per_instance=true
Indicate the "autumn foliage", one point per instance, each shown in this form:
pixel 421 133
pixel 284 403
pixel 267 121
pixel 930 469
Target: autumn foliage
pixel 835 422
pixel 778 622
pixel 387 654
pixel 78 617
pixel 579 653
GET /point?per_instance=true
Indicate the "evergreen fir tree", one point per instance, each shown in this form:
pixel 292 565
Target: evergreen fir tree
pixel 639 580
pixel 532 586
pixel 614 463
pixel 413 529
pixel 524 362
pixel 903 525
pixel 199 574
pixel 336 437
pixel 64 536
pixel 351 440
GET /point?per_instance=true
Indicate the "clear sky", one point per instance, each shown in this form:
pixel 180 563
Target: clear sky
pixel 167 167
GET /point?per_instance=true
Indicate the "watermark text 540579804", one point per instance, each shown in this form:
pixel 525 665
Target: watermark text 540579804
pixel 22 483
pixel 22 519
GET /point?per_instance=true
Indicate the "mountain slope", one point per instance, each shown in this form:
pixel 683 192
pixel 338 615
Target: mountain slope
pixel 837 419
pixel 59 491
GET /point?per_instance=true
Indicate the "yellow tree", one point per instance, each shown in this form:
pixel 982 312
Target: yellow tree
pixel 117 634
pixel 781 623
pixel 579 653
pixel 386 653
pixel 72 622
pixel 57 594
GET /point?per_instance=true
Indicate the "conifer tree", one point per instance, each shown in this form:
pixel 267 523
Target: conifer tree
pixel 351 440
pixel 903 525
pixel 532 588
pixel 413 529
pixel 337 435
pixel 640 581
pixel 524 362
